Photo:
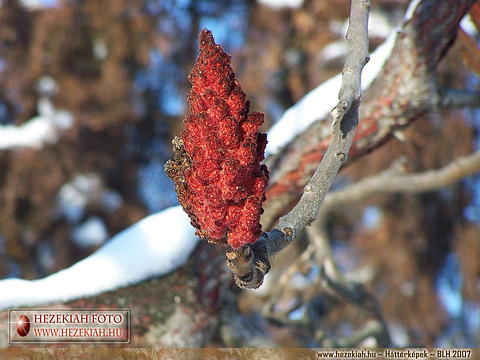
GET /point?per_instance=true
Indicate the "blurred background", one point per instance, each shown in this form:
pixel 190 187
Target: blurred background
pixel 106 82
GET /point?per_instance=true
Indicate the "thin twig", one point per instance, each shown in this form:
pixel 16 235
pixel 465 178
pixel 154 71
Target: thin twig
pixel 455 98
pixel 283 281
pixel 354 293
pixel 372 328
pixel 250 263
pixel 393 182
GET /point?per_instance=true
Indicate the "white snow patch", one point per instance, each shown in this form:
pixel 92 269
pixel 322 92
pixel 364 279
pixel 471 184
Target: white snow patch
pixel 338 27
pixel 468 26
pixel 333 51
pixel 154 246
pixel 38 130
pixel 100 49
pixel 278 4
pixel 92 232
pixel 318 103
pixel 379 24
pixel 74 196
pixel 47 86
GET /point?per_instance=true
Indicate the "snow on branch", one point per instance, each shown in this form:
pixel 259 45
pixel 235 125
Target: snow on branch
pixel 319 102
pixel 154 246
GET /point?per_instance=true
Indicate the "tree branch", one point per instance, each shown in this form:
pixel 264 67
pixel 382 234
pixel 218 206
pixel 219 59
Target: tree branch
pixel 354 293
pixel 454 98
pixel 405 89
pixel 392 180
pixel 250 263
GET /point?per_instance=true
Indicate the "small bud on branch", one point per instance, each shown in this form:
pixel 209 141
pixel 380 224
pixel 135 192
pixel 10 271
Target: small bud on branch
pixel 216 168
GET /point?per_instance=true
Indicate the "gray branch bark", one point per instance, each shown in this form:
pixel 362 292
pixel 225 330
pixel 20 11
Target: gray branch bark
pixel 250 263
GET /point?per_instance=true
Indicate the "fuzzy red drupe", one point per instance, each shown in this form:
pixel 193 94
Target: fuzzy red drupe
pixel 222 184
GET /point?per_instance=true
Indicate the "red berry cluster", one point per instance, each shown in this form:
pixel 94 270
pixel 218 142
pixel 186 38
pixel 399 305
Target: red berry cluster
pixel 225 184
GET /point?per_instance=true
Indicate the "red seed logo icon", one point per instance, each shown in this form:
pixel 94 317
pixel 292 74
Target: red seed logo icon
pixel 23 325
